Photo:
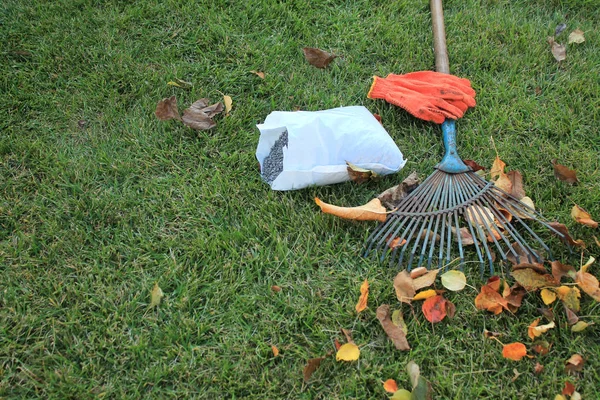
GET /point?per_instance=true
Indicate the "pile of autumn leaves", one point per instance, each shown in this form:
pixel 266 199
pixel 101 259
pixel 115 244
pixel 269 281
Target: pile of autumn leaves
pixel 564 284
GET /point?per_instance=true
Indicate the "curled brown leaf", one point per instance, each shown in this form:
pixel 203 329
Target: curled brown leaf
pixel 166 109
pixel 394 332
pixel 317 57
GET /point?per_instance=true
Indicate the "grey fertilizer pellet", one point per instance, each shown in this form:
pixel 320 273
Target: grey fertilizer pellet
pixel 273 163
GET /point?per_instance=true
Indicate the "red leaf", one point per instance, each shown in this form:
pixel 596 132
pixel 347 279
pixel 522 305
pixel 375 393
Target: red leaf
pixel 434 309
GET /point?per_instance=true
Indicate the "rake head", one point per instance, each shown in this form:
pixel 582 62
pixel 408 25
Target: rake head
pixel 433 224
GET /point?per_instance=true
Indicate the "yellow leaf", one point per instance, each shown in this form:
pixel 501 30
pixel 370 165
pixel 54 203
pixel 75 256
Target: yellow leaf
pixel 579 326
pixel 548 296
pixel 583 217
pixel 576 37
pixel 454 280
pixel 364 294
pixel 348 352
pixel 402 394
pixel 372 211
pixel 156 295
pixel 589 262
pixel 425 294
pixel 228 104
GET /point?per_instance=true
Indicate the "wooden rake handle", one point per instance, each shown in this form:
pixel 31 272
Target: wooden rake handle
pixel 439 37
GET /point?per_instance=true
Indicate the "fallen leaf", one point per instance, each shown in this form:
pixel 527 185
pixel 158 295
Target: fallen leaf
pixel 276 288
pixel 200 115
pixel 563 173
pixel 489 334
pixel 372 211
pixel 358 174
pixel 560 397
pixel 559 29
pixel 558 50
pixel 394 332
pixel 514 351
pixel 398 320
pixel 489 299
pixel 422 391
pixel 583 217
pixel 532 280
pixel 318 57
pixel 574 363
pixel 566 238
pixel 166 109
pixel 396 242
pixel 417 272
pixel 517 374
pixel 481 216
pixel 534 330
pixel 260 74
pixel 576 37
pixel 541 347
pixel 454 280
pixel 425 280
pixel 497 168
pixel 572 318
pixel 425 294
pixel 311 367
pixel 392 196
pixel 348 352
pixel 403 285
pixel 402 394
pixel 597 241
pixel 538 368
pixel 414 373
pixel 516 180
pixel 364 294
pixel 514 296
pixel 525 255
pixel 546 312
pixel 548 296
pixel 180 84
pixel 579 326
pixel 275 350
pixel 228 104
pixel 588 282
pixel 434 309
pixel 337 344
pixel 539 268
pixel 570 296
pixel 156 295
pixel 473 165
pixel 390 386
pixel 503 182
pixel 576 396
pixel 348 334
pixel 568 389
pixel 559 270
pixel 465 236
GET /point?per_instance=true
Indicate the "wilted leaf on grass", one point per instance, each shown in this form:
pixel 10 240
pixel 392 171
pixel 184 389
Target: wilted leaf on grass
pixel 402 394
pixel 514 351
pixel 489 334
pixel 398 320
pixel 569 296
pixel 558 50
pixel 318 57
pixel 403 285
pixel 579 326
pixel 538 369
pixel 497 168
pixel 417 272
pixel 481 216
pixel 568 389
pixel 372 211
pixel 275 350
pixel 180 84
pixel 311 367
pixel 474 166
pixel 583 217
pixel 588 282
pixel 560 397
pixel 548 296
pixel 390 386
pixel 572 318
pixel 260 74
pixel 434 309
pixel 425 294
pixel 425 280
pixel 200 115
pixel 454 280
pixel 489 299
pixel 534 330
pixel 156 295
pixel 503 182
pixel 532 280
pixel 394 332
pixel 392 196
pixel 566 238
pixel 348 352
pixel 166 109
pixel 574 363
pixel 546 312
pixel 564 173
pixel 559 270
pixel 541 347
pixel 358 174
pixel 576 37
pixel 514 296
pixel 228 104
pixel 364 294
pixel 276 288
pixel 516 180
pixel 522 252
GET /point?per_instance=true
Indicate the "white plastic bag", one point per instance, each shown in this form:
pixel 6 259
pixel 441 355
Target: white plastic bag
pixel 304 148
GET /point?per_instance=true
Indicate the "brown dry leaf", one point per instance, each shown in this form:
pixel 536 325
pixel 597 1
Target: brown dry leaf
pixel 396 242
pixel 548 296
pixel 489 299
pixel 572 318
pixel 563 173
pixel 425 294
pixel 574 363
pixel 497 168
pixel 434 309
pixel 318 57
pixel 546 312
pixel 425 280
pixel 372 211
pixel 541 347
pixel 534 330
pixel 311 367
pixel 481 216
pixel 576 37
pixel 514 296
pixel 403 285
pixel 568 389
pixel 166 109
pixel 348 334
pixel 514 351
pixel 503 182
pixel 588 282
pixel 394 332
pixel 583 217
pixel 336 344
pixel 523 253
pixel 566 237
pixel 539 268
pixel 559 270
pixel 532 280
pixel 276 288
pixel 473 165
pixel 538 368
pixel 465 236
pixel 364 294
pixel 392 196
pixel 275 350
pixel 260 74
pixel 559 51
pixel 517 374
pixel 390 386
pixel 200 115
pixel 358 174
pixel 516 180
pixel 489 334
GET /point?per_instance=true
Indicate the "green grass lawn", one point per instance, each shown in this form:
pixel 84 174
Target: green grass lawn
pixel 99 200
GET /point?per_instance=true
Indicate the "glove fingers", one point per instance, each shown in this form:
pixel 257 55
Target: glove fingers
pixel 434 79
pixel 443 105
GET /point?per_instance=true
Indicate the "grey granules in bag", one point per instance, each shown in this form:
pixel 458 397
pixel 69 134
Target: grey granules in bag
pixel 273 163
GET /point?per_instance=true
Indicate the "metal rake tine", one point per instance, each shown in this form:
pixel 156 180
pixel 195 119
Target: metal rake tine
pixel 463 200
pixel 457 200
pixel 436 200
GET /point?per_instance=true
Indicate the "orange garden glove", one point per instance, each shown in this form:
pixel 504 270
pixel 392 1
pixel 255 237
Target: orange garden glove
pixel 428 95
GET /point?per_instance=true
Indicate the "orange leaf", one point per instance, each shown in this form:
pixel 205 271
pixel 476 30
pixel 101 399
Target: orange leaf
pixel 534 330
pixel 390 386
pixel 275 350
pixel 563 173
pixel 589 284
pixel 514 351
pixel 583 217
pixel 574 363
pixel 364 294
pixel 497 168
pixel 568 389
pixel 276 288
pixel 434 309
pixel 489 299
pixel 372 211
pixel 559 270
pixel 425 294
pixel 397 242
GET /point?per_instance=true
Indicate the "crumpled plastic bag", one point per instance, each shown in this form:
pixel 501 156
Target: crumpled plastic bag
pixel 306 148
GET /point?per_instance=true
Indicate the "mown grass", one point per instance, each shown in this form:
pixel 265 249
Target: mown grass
pixel 100 200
